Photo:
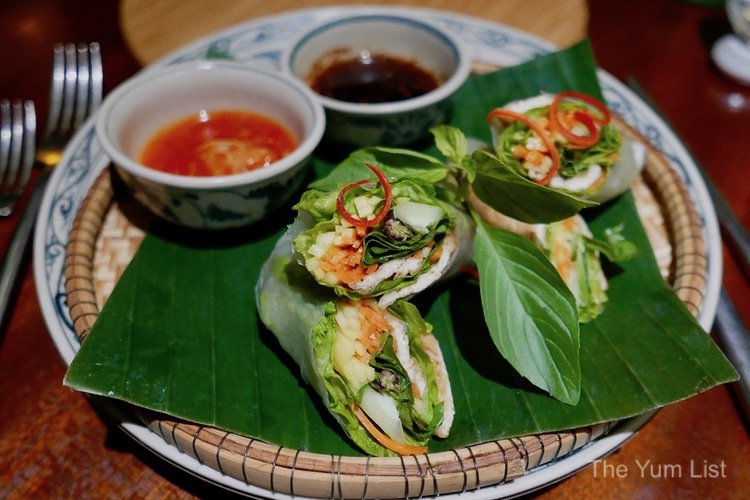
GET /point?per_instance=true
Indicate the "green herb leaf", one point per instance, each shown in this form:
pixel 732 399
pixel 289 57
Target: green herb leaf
pixel 615 247
pixel 453 144
pixel 394 162
pixel 516 196
pixel 531 313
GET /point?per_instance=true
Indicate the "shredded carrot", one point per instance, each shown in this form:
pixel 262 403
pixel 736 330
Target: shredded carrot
pixel 512 116
pixel 384 439
pixel 435 256
pixel 373 326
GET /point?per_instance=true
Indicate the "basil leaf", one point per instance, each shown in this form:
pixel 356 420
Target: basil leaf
pixel 515 196
pixel 453 144
pixel 530 312
pixel 394 162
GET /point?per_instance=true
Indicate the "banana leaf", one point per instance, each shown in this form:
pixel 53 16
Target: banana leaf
pixel 180 333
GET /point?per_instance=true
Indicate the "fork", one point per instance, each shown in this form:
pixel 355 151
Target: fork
pixel 17 137
pixel 76 93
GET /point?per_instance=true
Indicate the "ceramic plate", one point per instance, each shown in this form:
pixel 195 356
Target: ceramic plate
pixel 261 43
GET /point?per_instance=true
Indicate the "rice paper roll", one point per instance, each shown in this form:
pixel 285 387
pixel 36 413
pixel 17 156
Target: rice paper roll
pixel 598 172
pixel 406 245
pixel 565 245
pixel 379 371
pixel 573 251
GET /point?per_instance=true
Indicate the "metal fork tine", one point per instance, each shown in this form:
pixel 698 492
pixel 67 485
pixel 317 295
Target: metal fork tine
pixel 70 89
pixel 29 141
pixel 18 133
pixel 16 143
pixel 97 77
pixel 56 89
pixel 71 101
pixel 4 138
pixel 83 87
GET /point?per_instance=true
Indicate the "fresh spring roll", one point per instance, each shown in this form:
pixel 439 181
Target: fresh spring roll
pixel 573 251
pixel 379 371
pixel 591 159
pixel 566 245
pixel 365 243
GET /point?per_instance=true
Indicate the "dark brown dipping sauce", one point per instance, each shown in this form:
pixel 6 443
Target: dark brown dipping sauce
pixel 374 79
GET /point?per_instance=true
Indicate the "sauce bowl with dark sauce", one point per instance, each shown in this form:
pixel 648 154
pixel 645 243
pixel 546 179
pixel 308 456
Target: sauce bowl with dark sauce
pixel 384 79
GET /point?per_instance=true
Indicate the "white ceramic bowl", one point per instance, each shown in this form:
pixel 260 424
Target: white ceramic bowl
pixel 143 105
pixel 396 123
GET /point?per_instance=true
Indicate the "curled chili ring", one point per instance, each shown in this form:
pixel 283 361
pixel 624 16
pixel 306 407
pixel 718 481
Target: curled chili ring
pixel 585 118
pixel 383 180
pixel 591 101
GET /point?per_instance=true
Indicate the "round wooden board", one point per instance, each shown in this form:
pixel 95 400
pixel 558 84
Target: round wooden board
pixel 144 22
pixel 108 229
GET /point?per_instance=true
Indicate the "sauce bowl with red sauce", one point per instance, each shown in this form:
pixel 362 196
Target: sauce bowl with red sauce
pixel 384 79
pixel 211 144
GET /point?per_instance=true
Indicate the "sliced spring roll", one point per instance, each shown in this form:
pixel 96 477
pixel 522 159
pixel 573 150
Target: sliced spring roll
pixel 379 371
pixel 573 251
pixel 566 245
pixel 365 243
pixel 591 158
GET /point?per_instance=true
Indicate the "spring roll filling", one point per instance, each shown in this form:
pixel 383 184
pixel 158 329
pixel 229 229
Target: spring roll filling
pixel 392 380
pixel 566 245
pixel 370 261
pixel 582 170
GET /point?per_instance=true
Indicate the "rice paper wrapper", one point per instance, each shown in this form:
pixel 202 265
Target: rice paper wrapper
pixel 457 245
pixel 294 307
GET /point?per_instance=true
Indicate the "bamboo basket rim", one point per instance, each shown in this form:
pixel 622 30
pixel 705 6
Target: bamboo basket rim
pixel 296 472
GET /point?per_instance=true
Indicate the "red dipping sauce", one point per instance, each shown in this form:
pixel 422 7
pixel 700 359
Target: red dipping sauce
pixel 218 142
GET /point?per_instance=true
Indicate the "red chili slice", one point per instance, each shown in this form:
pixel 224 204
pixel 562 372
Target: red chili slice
pixel 583 117
pixel 591 101
pixel 581 141
pixel 511 116
pixel 471 271
pixel 383 210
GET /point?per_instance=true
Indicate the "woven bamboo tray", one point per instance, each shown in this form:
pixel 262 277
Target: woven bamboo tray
pixel 108 229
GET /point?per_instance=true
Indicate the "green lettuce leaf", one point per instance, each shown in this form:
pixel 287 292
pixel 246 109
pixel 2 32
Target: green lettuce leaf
pixel 395 163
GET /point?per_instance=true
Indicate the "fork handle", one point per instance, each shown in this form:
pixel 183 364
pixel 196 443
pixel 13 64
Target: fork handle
pixel 14 258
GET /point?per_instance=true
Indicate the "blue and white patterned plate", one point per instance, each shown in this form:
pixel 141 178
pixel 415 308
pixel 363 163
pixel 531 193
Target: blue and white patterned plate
pixel 261 42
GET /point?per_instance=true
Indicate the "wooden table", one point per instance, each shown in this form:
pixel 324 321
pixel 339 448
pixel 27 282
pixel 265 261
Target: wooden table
pixel 562 22
pixel 53 443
